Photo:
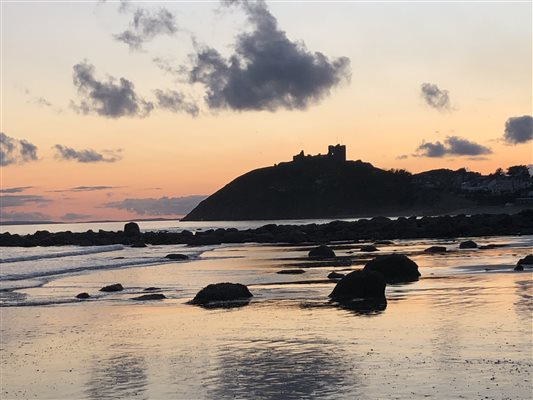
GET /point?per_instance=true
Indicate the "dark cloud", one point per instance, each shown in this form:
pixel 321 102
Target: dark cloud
pixel 452 146
pixel 18 189
pixel 267 70
pixel 22 200
pixel 86 188
pixel 146 25
pixel 175 101
pixel 161 206
pixel 86 156
pixel 15 151
pixel 518 129
pixel 25 216
pixel 435 97
pixel 74 216
pixel 111 99
pixel 167 67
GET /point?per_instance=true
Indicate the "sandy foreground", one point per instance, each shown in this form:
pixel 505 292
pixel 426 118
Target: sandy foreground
pixel 463 331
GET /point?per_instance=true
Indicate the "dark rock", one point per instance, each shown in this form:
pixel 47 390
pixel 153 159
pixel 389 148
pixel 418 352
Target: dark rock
pixel 383 242
pixel 321 252
pixel 469 244
pixel 132 229
pixel 291 271
pixel 492 246
pixel 177 257
pixel 435 249
pixel 221 292
pixel 527 260
pixel 151 289
pixel 519 267
pixel 83 295
pixel 152 296
pixel 369 248
pixel 395 268
pixel 138 244
pixel 360 284
pixel 117 287
pixel 335 275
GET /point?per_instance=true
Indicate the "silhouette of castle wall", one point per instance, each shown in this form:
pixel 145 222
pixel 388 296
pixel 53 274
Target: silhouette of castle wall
pixel 335 153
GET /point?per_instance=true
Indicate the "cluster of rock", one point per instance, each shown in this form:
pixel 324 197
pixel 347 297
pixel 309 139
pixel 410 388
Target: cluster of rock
pixel 117 287
pixel 378 229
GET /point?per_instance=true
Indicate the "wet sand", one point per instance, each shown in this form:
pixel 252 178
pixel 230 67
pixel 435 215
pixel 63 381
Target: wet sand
pixel 464 330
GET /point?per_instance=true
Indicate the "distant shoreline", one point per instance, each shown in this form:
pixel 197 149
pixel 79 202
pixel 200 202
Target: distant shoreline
pixel 377 228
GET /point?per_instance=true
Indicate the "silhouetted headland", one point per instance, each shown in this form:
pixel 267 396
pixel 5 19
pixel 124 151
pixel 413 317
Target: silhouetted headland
pixel 329 186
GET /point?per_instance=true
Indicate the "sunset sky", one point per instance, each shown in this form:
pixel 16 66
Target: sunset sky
pixel 117 110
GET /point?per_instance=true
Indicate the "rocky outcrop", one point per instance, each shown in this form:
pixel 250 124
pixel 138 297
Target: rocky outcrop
pixel 117 287
pixel 221 292
pixel 359 284
pixel 321 252
pixel 132 229
pixel 395 268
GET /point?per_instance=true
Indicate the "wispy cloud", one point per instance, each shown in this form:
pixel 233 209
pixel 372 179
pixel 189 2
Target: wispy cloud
pixel 86 188
pixel 452 146
pixel 22 200
pixel 15 151
pixel 434 97
pixel 86 156
pixel 24 216
pixel 18 189
pixel 161 206
pixel 518 130
pixel 74 216
pixel 109 98
pixel 175 101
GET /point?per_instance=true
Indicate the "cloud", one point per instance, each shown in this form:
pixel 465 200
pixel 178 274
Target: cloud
pixel 24 216
pixel 86 156
pixel 74 216
pixel 435 97
pixel 22 200
pixel 452 146
pixel 15 151
pixel 86 188
pixel 402 157
pixel 175 101
pixel 18 189
pixel 267 71
pixel 161 206
pixel 111 99
pixel 518 129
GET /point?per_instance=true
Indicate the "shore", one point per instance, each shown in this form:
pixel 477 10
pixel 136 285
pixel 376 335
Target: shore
pixel 377 228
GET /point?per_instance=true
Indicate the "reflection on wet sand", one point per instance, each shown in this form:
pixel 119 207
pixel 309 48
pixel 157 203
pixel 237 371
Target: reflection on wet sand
pixel 283 370
pixel 121 375
pixel 524 299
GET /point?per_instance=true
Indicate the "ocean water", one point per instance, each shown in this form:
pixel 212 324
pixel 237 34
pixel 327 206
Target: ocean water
pixel 464 330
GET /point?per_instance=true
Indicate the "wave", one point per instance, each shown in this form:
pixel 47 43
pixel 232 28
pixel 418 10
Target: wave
pixel 81 252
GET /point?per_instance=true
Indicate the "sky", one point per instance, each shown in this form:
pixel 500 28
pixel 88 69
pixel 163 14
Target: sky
pixel 122 109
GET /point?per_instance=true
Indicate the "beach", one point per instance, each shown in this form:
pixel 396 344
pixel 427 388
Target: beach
pixel 463 330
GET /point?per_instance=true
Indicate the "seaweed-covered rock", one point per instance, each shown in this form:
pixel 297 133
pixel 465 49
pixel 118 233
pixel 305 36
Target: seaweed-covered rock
pixel 221 292
pixel 468 244
pixel 335 275
pixel 291 271
pixel 359 284
pixel 152 296
pixel 435 249
pixel 321 251
pixel 83 295
pixel 151 289
pixel 396 268
pixel 117 287
pixel 177 257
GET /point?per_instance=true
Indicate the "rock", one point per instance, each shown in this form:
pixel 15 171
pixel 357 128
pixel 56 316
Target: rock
pixel 359 284
pixel 469 244
pixel 369 248
pixel 138 244
pixel 395 268
pixel 492 246
pixel 291 272
pixel 132 229
pixel 335 275
pixel 177 257
pixel 383 242
pixel 117 287
pixel 152 296
pixel 151 288
pixel 321 252
pixel 527 260
pixel 83 295
pixel 435 249
pixel 519 267
pixel 221 292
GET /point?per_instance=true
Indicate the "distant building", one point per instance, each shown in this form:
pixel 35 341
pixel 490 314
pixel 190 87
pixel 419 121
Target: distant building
pixel 335 153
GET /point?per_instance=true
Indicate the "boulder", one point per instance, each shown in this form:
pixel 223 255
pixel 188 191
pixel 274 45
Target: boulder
pixel 83 295
pixel 396 268
pixel 335 275
pixel 177 257
pixel 152 296
pixel 321 252
pixel 435 249
pixel 151 289
pixel 117 287
pixel 369 248
pixel 132 229
pixel 527 260
pixel 359 284
pixel 469 244
pixel 221 292
pixel 291 272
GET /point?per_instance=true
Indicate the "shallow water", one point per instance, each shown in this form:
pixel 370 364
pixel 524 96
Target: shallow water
pixel 464 330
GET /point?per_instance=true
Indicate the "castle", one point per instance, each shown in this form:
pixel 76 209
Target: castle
pixel 335 153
